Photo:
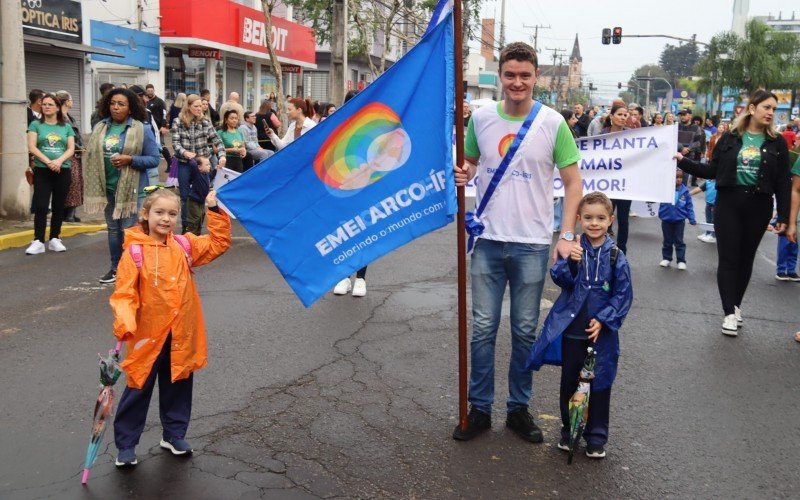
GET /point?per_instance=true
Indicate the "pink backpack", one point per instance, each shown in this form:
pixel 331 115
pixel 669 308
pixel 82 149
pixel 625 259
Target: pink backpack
pixel 136 251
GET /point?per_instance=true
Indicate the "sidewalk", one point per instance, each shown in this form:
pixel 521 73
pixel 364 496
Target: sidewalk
pixel 17 234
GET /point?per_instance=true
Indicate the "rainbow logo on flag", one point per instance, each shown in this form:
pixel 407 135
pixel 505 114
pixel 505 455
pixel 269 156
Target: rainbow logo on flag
pixel 363 149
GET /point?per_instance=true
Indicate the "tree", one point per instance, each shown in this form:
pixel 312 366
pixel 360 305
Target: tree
pixel 267 6
pixel 764 58
pixel 658 88
pixel 380 20
pixel 679 61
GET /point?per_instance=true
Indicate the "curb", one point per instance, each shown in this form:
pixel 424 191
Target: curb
pixel 23 238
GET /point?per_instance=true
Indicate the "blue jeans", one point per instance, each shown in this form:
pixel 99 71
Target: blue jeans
pixel 116 230
pixel 673 237
pixel 523 267
pixel 184 180
pixel 710 217
pixel 787 256
pixel 558 213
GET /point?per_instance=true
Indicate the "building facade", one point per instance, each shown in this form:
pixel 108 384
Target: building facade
pixel 563 80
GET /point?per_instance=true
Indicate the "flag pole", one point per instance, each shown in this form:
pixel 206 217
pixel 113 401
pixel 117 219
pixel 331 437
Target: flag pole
pixel 460 230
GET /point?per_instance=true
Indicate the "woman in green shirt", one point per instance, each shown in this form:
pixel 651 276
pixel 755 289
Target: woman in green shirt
pixel 51 141
pixel 233 140
pixel 751 166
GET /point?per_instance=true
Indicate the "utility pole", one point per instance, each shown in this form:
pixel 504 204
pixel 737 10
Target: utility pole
pixel 338 72
pixel 536 33
pixel 647 97
pixel 556 73
pixel 15 193
pixel 502 25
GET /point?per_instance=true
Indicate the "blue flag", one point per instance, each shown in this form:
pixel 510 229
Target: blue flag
pixel 370 178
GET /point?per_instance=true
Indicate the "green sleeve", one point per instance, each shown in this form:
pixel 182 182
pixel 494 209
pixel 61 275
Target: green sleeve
pixel 69 132
pixel 796 167
pixel 34 126
pixel 566 151
pixel 471 149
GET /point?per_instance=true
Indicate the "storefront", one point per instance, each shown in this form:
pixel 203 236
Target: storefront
pixel 55 53
pixel 140 55
pixel 202 52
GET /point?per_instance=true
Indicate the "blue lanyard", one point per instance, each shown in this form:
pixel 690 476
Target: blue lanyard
pixel 472 220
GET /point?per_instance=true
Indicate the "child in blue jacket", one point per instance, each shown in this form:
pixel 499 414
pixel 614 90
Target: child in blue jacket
pixel 673 221
pixel 596 295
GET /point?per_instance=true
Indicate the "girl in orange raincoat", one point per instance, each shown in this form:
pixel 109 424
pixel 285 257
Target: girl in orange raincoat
pixel 157 310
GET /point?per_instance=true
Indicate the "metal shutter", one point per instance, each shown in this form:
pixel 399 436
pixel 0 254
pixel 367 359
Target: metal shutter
pixel 52 73
pixel 316 83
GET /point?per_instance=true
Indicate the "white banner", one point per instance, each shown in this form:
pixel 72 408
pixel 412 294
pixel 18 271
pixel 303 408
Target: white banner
pixel 634 164
pixel 645 209
pixel 224 176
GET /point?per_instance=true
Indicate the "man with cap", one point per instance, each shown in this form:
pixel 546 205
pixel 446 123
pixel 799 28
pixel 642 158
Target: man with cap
pixel 690 138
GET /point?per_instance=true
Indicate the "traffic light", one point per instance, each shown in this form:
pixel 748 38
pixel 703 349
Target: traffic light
pixel 619 85
pixel 606 36
pixel 617 37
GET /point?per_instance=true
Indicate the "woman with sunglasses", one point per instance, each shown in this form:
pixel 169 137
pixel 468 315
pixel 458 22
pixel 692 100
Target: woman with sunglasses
pixel 120 151
pixel 51 141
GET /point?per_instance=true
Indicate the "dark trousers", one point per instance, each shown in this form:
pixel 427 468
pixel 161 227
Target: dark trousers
pixel 174 401
pixel 46 185
pixel 623 208
pixel 787 256
pixel 673 237
pixel 710 216
pixel 195 217
pixel 740 220
pixel 184 183
pixel 573 354
pixel 362 273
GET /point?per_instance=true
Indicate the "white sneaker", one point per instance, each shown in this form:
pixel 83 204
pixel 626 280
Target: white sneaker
pixel 56 245
pixel 359 288
pixel 342 287
pixel 729 326
pixel 710 239
pixel 682 266
pixel 664 263
pixel 702 237
pixel 36 247
pixel 738 313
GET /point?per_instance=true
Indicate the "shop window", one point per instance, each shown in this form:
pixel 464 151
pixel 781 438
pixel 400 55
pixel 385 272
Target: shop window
pixel 249 88
pixel 268 81
pixel 183 74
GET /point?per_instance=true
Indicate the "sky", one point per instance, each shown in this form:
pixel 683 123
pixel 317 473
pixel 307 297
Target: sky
pixel 605 65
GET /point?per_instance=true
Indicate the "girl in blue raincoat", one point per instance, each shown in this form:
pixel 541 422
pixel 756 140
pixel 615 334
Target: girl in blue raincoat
pixel 596 295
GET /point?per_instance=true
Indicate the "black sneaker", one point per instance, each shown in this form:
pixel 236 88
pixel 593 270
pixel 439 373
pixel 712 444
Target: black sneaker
pixel 595 451
pixel 563 444
pixel 782 277
pixel 477 422
pixel 522 423
pixel 109 277
pixel 792 277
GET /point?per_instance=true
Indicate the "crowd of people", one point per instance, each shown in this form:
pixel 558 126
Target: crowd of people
pixel 745 165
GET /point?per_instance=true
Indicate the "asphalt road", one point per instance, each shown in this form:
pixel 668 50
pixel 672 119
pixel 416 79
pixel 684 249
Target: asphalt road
pixel 358 397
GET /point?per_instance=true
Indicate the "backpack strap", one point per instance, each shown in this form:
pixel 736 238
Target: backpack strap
pixel 136 253
pixel 184 242
pixel 614 255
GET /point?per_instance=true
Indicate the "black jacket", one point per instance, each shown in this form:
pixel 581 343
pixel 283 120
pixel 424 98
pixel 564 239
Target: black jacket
pixel 697 141
pixel 773 175
pixel 158 108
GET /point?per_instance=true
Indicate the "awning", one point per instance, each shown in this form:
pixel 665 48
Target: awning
pixel 38 40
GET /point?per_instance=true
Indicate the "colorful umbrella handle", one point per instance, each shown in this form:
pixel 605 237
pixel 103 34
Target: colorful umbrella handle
pixel 118 348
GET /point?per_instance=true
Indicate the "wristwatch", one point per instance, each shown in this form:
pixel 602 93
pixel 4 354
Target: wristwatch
pixel 567 236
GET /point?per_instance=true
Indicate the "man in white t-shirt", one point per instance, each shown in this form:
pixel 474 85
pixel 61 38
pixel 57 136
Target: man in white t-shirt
pixel 518 223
